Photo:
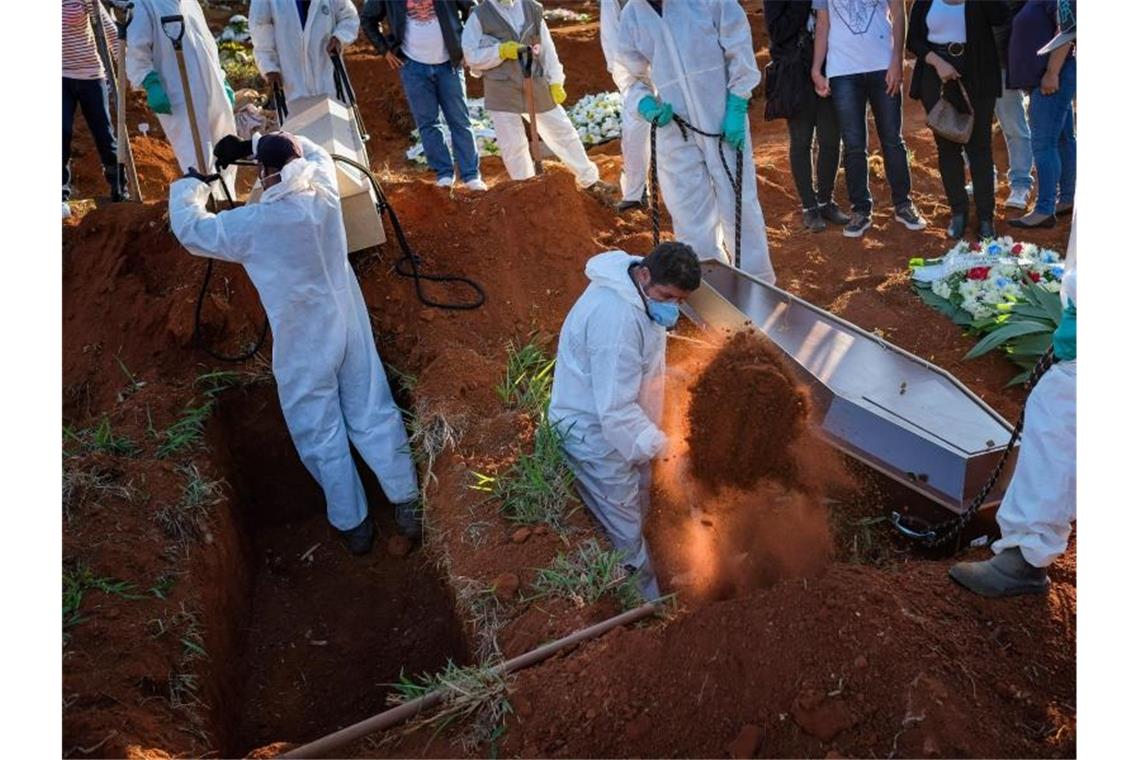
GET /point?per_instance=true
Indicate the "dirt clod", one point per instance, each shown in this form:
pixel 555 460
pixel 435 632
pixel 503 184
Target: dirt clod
pixel 520 535
pixel 821 716
pixel 399 546
pixel 506 586
pixel 746 742
pixel 746 413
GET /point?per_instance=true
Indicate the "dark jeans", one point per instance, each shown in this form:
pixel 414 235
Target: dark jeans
pixel 979 150
pixel 852 93
pixel 815 119
pixel 430 88
pixel 90 95
pixel 1051 126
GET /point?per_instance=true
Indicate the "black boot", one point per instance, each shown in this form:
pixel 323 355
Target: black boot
pixel 957 226
pixel 813 221
pixel 986 230
pixel 116 179
pixel 358 541
pixel 410 519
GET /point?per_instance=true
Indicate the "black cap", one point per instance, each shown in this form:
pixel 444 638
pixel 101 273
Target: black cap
pixel 276 149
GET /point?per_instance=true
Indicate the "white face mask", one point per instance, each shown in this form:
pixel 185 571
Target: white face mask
pixel 507 3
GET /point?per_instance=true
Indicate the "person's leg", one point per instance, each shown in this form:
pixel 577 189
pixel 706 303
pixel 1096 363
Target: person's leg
pixel 1010 111
pixel 753 254
pixel 1067 141
pixel 687 190
pixel 850 100
pixel 887 110
pixel 560 135
pixel 827 137
pixel 634 150
pixel 981 151
pixel 420 90
pixel 950 164
pixel 801 129
pixel 611 489
pixel 93 99
pixel 1046 121
pixel 69 103
pixel 514 146
pixel 451 91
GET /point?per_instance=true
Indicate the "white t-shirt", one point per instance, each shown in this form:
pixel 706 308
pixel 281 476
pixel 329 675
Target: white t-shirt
pixel 946 23
pixel 423 39
pixel 860 38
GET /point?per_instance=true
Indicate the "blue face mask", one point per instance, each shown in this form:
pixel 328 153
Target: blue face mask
pixel 664 313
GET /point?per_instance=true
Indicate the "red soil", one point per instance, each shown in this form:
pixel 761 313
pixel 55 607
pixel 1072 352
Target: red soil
pixel 926 668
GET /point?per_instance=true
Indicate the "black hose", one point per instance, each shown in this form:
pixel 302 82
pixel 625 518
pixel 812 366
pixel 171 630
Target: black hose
pixel 409 264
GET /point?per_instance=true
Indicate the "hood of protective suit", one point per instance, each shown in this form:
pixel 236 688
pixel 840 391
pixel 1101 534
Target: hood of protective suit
pixel 296 177
pixel 611 270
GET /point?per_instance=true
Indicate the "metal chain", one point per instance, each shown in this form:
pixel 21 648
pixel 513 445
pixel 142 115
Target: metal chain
pixel 938 535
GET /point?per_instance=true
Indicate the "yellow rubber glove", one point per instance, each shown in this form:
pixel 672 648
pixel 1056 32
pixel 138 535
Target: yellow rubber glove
pixel 558 93
pixel 509 50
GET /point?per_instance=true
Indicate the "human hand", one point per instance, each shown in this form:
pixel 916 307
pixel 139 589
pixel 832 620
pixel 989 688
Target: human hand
pixel 946 72
pixel 193 173
pixel 894 78
pixel 1050 82
pixel 822 86
pixel 509 50
pixel 558 93
pixel 393 60
pixel 334 46
pixel 231 148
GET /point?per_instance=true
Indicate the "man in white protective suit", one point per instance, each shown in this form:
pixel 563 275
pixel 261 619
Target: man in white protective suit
pixel 494 34
pixel 634 129
pixel 694 59
pixel 330 380
pixel 293 42
pixel 153 66
pixel 1040 504
pixel 609 388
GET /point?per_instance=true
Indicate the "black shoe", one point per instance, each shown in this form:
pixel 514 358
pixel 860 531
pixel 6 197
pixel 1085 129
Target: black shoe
pixel 986 230
pixel 358 541
pixel 910 217
pixel 957 226
pixel 1064 209
pixel 1042 223
pixel 410 519
pixel 831 213
pixel 859 224
pixel 627 205
pixel 813 220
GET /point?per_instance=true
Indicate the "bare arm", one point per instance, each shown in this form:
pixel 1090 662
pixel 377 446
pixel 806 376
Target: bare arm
pixel 1051 80
pixel 898 47
pixel 822 27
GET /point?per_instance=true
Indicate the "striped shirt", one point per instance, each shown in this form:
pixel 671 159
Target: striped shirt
pixel 80 54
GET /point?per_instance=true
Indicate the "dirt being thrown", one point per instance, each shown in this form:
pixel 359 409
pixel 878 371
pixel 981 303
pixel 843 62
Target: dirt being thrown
pixel 746 413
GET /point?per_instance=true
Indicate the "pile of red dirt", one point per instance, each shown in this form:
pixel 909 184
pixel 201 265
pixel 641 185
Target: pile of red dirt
pixel 746 412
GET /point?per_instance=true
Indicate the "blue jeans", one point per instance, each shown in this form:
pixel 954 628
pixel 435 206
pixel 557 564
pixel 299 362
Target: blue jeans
pixel 89 96
pixel 430 88
pixel 1054 142
pixel 1010 110
pixel 852 93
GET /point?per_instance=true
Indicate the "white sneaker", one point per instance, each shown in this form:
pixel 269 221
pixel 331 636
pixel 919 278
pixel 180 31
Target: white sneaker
pixel 477 184
pixel 1018 198
pixel 66 210
pixel 445 182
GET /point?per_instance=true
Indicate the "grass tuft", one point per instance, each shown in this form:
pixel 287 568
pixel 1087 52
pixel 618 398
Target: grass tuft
pixel 529 379
pixel 102 439
pixel 81 487
pixel 186 431
pixel 77 581
pixel 185 521
pixel 474 694
pixel 585 576
pixel 538 487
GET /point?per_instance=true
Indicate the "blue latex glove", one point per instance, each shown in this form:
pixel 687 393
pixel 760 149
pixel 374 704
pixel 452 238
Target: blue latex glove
pixel 735 127
pixel 1065 336
pixel 654 111
pixel 229 92
pixel 156 97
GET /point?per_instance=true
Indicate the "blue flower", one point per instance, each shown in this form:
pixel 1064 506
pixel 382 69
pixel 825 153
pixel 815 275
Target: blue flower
pixel 1001 282
pixel 1048 257
pixel 1057 272
pixel 993 249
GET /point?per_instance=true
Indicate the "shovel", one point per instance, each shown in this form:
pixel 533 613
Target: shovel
pixel 117 77
pixel 526 59
pixel 176 40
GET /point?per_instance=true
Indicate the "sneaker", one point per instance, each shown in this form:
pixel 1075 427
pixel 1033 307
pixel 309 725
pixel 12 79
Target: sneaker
pixel 859 224
pixel 957 227
pixel 445 182
pixel 410 519
pixel 813 221
pixel 910 217
pixel 477 185
pixel 358 541
pixel 1034 221
pixel 986 230
pixel 1018 198
pixel 831 213
pixel 1064 209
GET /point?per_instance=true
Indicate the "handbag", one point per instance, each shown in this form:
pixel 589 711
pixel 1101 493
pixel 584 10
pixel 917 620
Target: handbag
pixel 946 121
pixel 787 82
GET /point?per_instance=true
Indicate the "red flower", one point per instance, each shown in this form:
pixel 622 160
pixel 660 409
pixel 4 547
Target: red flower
pixel 1016 250
pixel 1035 277
pixel 975 246
pixel 978 273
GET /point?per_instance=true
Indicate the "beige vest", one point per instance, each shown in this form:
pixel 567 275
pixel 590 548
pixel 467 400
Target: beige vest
pixel 503 85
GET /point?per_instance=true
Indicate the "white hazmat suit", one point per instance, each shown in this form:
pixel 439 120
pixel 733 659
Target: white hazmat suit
pixel 692 56
pixel 634 129
pixel 150 49
pixel 330 380
pixel 300 54
pixel 481 53
pixel 1038 508
pixel 607 400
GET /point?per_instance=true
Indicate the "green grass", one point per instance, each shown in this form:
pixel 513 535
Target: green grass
pixel 185 521
pixel 186 432
pixel 101 439
pixel 217 381
pixel 529 379
pixel 183 683
pixel 585 576
pixel 539 486
pixel 77 581
pixel 474 694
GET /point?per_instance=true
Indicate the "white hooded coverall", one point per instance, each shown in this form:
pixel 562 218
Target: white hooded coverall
pixel 1038 508
pixel 607 400
pixel 634 129
pixel 330 380
pixel 300 55
pixel 691 57
pixel 481 52
pixel 150 49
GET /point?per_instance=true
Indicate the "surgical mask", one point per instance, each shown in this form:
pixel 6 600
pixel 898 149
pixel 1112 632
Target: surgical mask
pixel 664 313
